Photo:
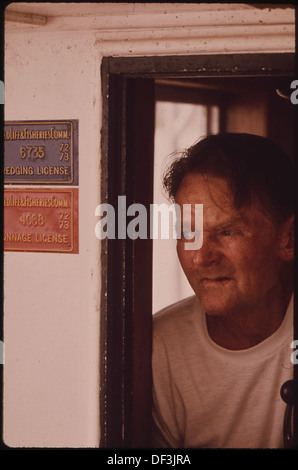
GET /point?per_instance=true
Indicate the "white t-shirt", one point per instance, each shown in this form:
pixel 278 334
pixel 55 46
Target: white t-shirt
pixel 206 396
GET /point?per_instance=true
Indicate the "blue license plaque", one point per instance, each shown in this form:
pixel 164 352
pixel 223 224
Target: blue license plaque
pixel 41 152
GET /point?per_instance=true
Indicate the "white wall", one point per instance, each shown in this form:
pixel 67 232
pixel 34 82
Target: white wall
pixel 51 308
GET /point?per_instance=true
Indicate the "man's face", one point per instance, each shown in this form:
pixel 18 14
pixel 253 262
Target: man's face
pixel 238 267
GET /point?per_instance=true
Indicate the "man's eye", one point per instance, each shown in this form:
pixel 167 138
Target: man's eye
pixel 188 235
pixel 226 233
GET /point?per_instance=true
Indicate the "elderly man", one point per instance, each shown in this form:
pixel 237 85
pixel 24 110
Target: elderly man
pixel 221 356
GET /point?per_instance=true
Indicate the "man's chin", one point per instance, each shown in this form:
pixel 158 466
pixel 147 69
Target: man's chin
pixel 216 306
pixel 216 298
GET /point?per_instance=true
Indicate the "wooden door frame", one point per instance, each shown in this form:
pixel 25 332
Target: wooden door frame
pixel 126 311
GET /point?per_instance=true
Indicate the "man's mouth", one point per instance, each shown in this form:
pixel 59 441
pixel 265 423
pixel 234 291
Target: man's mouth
pixel 216 280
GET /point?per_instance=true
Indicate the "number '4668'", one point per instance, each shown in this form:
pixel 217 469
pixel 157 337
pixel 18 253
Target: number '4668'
pixel 32 219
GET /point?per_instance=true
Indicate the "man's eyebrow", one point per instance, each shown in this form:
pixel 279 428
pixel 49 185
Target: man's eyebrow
pixel 238 220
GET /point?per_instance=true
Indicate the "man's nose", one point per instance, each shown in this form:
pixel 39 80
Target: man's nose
pixel 209 253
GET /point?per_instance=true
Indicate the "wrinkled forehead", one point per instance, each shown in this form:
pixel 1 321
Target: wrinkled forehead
pixel 197 188
pixel 215 195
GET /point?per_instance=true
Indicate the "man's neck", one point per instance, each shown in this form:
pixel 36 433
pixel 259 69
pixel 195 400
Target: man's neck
pixel 245 330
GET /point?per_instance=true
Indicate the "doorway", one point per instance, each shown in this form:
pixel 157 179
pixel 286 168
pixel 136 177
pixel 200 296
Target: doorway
pixel 230 92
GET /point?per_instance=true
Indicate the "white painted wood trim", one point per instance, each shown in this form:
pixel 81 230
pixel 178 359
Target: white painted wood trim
pixel 165 30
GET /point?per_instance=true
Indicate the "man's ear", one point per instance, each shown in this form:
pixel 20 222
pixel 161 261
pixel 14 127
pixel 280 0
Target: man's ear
pixel 286 240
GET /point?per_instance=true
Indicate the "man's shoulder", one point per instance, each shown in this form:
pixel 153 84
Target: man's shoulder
pixel 177 315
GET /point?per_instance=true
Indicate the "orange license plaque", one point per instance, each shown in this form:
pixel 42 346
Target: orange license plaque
pixel 41 220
